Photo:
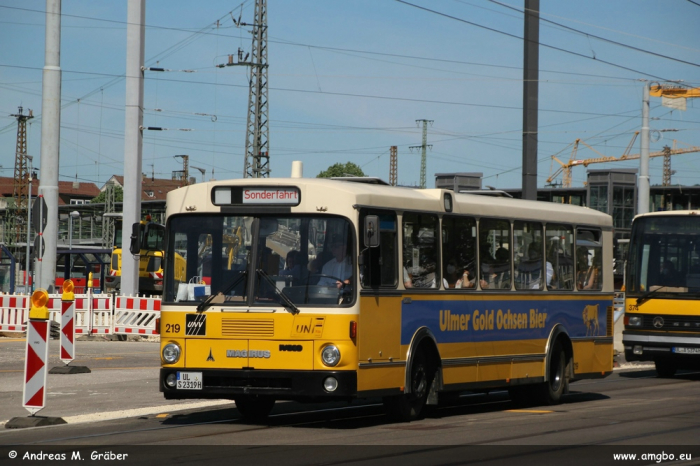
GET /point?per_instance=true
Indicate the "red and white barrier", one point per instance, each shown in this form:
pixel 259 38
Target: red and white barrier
pixel 97 314
pixel 36 355
pixel 136 316
pixel 14 312
pixel 67 332
pixel 93 314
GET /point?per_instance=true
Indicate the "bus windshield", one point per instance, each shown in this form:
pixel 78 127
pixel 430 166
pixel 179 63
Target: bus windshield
pixel 293 259
pixel 664 255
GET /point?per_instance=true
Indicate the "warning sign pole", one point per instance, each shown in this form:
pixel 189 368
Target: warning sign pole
pixel 36 356
pixel 67 354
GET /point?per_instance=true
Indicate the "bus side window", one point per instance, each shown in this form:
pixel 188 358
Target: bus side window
pixel 458 252
pixel 590 271
pixel 378 267
pixel 560 254
pixel 528 256
pixel 420 250
pixel 494 253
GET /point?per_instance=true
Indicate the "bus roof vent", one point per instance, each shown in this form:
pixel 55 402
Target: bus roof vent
pixel 361 179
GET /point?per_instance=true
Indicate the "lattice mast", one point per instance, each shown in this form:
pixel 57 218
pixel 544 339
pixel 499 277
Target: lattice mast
pixel 423 147
pixel 108 221
pixel 393 169
pixel 666 179
pixel 257 158
pixel 21 180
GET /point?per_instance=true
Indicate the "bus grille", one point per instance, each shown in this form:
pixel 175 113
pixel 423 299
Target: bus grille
pixel 671 322
pixel 248 382
pixel 610 321
pixel 247 328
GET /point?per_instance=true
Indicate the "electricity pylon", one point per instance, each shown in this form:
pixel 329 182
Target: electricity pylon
pixel 21 181
pixel 257 155
pixel 423 147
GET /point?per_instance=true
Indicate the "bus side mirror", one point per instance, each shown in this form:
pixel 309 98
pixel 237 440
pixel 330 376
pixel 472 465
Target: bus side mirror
pixel 371 231
pixel 134 246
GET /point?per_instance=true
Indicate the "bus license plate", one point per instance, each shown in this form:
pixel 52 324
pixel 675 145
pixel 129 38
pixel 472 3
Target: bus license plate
pixel 682 350
pixel 189 380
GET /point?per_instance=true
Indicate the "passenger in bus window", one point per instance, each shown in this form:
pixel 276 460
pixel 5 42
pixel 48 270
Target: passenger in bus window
pixel 486 261
pixel 421 280
pixel 593 277
pixel 292 267
pixel 535 258
pixel 555 255
pixel 456 277
pixel 407 279
pixel 452 277
pixel 337 271
pixel 502 254
pixel 581 266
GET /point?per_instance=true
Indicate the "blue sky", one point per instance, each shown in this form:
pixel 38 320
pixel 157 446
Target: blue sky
pixel 349 79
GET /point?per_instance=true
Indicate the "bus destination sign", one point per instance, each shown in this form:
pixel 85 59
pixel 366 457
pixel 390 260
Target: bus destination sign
pixel 256 195
pixel 270 196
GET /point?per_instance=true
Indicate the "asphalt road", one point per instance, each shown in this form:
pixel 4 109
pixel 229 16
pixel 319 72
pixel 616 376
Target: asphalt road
pixel 123 381
pixel 632 409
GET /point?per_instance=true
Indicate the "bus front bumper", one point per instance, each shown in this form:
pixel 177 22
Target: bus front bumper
pixel 651 346
pixel 279 384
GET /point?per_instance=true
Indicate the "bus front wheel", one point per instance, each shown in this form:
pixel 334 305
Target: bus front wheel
pixel 254 408
pixel 665 369
pixel 411 406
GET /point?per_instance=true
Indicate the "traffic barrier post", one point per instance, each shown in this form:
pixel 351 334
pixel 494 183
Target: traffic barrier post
pixel 67 354
pixel 36 356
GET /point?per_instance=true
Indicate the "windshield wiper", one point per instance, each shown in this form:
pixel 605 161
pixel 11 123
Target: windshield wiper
pixel 220 297
pixel 288 304
pixel 646 296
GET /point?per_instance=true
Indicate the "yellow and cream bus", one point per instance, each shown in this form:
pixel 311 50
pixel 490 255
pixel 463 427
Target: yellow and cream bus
pixel 345 289
pixel 662 313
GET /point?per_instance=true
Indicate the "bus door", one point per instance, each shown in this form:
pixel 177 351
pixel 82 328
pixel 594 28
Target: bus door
pixel 380 308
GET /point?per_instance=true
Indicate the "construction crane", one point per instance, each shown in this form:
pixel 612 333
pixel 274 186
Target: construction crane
pixel 673 92
pixel 669 92
pixel 565 168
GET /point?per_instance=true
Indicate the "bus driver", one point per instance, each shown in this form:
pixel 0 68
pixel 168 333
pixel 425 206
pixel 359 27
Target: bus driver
pixel 340 267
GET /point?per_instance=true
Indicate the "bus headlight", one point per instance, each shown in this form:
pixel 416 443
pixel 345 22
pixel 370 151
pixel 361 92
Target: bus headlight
pixel 330 384
pixel 171 380
pixel 634 321
pixel 171 353
pixel 330 355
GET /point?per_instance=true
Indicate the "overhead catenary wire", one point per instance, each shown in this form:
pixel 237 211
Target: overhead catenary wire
pixel 542 44
pixel 610 41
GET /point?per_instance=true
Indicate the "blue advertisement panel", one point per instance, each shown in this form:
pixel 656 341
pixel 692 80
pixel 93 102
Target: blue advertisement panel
pixel 463 321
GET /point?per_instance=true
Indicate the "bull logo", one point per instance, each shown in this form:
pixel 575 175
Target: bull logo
pixel 590 320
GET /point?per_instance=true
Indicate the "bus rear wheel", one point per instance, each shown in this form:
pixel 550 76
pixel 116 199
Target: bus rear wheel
pixel 411 406
pixel 254 408
pixel 551 391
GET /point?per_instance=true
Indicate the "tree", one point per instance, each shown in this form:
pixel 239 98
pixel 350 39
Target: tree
pixel 118 195
pixel 339 169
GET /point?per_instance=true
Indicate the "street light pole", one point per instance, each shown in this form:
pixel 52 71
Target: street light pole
pixel 71 216
pixel 29 224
